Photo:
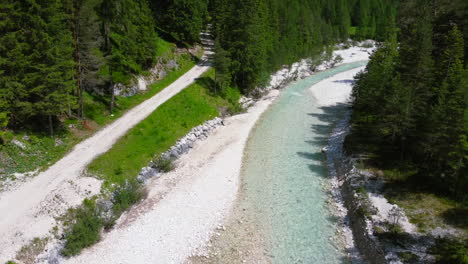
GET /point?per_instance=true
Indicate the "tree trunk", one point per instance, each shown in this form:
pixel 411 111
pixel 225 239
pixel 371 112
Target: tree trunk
pixel 80 91
pixel 51 126
pixel 76 29
pixel 111 88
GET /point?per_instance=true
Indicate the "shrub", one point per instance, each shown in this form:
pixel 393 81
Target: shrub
pixel 164 164
pixel 123 199
pixel 337 59
pixel 85 231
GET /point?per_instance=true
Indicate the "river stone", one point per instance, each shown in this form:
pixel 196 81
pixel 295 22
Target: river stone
pixel 146 173
pixel 175 153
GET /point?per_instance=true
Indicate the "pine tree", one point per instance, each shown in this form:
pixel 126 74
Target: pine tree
pixel 222 64
pixel 450 109
pixel 182 19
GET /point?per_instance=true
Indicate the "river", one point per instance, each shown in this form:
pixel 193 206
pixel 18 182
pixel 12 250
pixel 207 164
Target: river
pixel 285 177
pixel 283 214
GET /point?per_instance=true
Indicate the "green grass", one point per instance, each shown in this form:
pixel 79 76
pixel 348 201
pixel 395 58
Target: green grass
pixel 40 150
pixel 157 133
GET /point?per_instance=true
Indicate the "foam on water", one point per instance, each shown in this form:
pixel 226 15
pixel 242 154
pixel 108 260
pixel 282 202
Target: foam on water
pixel 284 175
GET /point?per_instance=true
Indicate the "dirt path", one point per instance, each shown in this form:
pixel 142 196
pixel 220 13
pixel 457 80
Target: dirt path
pixel 29 211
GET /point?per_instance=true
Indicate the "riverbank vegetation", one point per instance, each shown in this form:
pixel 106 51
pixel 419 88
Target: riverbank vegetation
pixel 410 118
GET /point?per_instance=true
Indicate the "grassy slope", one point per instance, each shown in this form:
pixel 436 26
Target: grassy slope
pixel 160 130
pixel 42 150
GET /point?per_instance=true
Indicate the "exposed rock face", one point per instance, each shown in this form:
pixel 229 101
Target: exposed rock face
pixel 141 82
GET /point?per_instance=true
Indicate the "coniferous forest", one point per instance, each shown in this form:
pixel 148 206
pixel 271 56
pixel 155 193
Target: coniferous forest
pixel 52 52
pixel 410 106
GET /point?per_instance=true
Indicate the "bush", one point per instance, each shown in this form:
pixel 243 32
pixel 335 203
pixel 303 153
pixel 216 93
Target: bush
pixel 164 164
pixel 123 199
pixel 85 231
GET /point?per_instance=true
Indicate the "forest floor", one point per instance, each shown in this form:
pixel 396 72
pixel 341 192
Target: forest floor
pixel 30 210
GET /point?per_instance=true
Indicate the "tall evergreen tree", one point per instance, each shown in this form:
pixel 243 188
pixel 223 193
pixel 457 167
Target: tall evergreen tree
pixel 36 32
pixel 181 19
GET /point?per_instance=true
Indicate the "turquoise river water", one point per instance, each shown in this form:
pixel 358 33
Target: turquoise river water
pixel 285 177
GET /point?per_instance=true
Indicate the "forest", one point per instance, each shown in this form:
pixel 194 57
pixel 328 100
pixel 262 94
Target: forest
pixel 53 52
pixel 411 103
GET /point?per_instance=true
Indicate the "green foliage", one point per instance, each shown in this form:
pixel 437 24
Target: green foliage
pixel 411 102
pixel 123 198
pixel 3 125
pixel 408 257
pixel 164 164
pixel 451 251
pixel 126 196
pixel 256 37
pixel 183 20
pixel 40 151
pixel 29 252
pixel 36 65
pixel 85 231
pixel 232 96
